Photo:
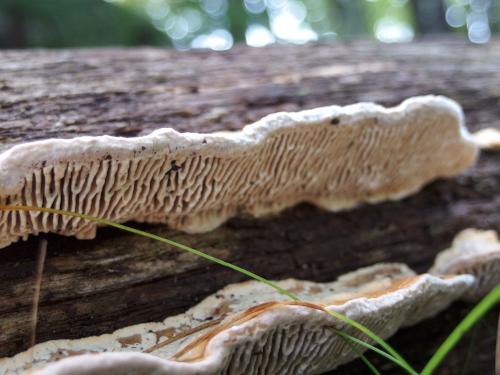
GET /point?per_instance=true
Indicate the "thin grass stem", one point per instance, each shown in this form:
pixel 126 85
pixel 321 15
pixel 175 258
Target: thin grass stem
pixel 376 350
pixel 42 254
pixel 358 352
pixel 375 338
pixel 393 354
pixel 472 318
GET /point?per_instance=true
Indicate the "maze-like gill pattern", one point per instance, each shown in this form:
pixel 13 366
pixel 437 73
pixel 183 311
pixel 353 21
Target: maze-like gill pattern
pixel 335 157
pixel 257 336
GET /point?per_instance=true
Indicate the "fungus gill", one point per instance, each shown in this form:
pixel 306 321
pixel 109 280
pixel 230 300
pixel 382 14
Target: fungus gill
pixel 334 157
pixel 260 332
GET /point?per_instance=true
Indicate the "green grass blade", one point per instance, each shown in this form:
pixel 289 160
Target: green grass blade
pixel 206 256
pixel 367 362
pixel 472 318
pixel 156 238
pixel 375 338
pixel 360 327
pixel 376 350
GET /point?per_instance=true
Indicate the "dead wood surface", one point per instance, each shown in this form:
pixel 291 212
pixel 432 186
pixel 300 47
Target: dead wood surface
pixel 94 287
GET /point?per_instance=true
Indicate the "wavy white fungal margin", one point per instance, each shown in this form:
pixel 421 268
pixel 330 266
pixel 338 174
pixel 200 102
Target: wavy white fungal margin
pixel 475 252
pixel 488 139
pixel 248 328
pixel 334 157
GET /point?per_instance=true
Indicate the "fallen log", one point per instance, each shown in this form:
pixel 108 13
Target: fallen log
pixel 97 286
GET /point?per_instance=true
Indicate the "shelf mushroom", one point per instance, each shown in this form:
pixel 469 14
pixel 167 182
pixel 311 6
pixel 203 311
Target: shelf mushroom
pixel 248 328
pixel 475 252
pixel 334 157
pixel 488 139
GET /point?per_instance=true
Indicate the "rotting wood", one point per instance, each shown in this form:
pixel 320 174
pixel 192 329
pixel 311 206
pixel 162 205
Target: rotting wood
pixel 92 287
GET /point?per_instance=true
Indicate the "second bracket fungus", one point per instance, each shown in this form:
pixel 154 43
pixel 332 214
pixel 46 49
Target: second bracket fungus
pixel 334 157
pixel 255 331
pixel 475 252
pixel 488 139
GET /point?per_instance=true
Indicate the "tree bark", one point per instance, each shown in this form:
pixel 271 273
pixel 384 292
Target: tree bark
pixel 94 287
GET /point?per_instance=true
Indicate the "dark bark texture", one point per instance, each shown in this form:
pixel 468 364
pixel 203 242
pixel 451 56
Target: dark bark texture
pixel 93 287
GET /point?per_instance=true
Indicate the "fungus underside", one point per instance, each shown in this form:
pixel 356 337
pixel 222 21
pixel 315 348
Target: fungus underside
pixel 391 354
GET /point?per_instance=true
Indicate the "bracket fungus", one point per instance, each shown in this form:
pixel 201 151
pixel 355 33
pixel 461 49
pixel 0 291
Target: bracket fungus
pixel 248 328
pixel 334 157
pixel 475 252
pixel 488 139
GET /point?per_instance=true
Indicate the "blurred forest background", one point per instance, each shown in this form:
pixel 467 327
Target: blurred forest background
pixel 218 24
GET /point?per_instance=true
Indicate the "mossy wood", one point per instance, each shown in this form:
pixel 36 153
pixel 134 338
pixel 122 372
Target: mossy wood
pixel 93 287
